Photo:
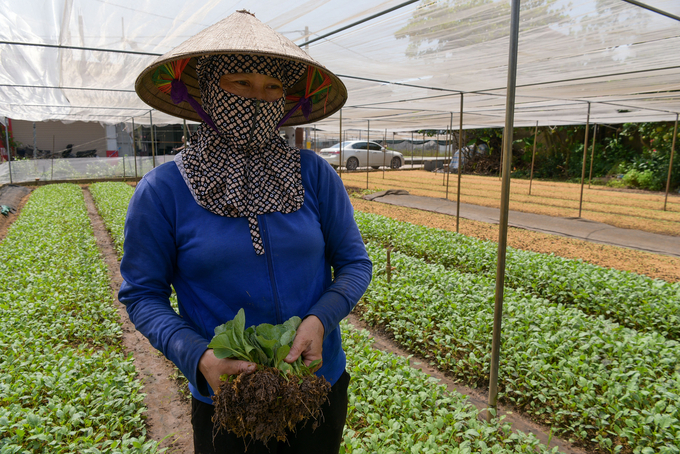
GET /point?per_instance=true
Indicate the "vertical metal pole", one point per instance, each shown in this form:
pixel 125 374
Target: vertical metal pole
pixel 9 150
pixel 461 140
pixel 52 163
pixel 446 155
pixel 422 152
pixel 186 137
pixel 448 174
pixel 436 153
pixel 670 165
pixel 583 167
pixel 592 155
pixel 412 150
pixel 123 167
pixel 505 201
pixel 533 158
pixel 153 141
pixel 134 147
pixel 368 138
pixel 340 162
pixel 384 152
pixel 35 142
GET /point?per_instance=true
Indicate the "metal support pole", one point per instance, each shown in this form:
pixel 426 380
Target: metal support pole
pixel 52 156
pixel 412 150
pixel 9 150
pixel 436 153
pixel 134 147
pixel 583 167
pixel 448 174
pixel 340 162
pixel 340 156
pixel 153 141
pixel 446 155
pixel 592 155
pixel 368 138
pixel 505 201
pixel 461 141
pixel 186 137
pixel 123 167
pixel 384 152
pixel 533 158
pixel 670 165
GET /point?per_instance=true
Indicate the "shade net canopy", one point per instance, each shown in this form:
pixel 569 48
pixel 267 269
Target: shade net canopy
pixel 405 68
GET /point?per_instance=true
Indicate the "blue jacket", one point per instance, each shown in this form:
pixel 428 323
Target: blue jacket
pixel 210 262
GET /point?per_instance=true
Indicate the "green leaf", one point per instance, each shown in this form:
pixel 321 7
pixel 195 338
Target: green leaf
pixel 281 353
pixel 287 337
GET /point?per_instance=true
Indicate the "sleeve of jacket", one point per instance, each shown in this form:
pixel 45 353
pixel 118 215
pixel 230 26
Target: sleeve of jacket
pixel 345 251
pixel 147 269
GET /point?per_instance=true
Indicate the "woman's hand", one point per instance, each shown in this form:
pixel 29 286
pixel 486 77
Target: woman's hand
pixel 212 368
pixel 308 341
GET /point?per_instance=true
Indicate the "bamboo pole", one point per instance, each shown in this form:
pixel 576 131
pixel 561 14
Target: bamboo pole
pixel 461 141
pixel 592 155
pixel 533 158
pixel 670 165
pixel 505 201
pixel 583 167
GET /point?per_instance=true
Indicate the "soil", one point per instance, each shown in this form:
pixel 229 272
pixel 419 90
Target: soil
pixel 265 404
pixel 14 197
pixel 646 263
pixel 641 210
pixel 168 415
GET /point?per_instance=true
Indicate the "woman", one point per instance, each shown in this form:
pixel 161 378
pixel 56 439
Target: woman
pixel 242 220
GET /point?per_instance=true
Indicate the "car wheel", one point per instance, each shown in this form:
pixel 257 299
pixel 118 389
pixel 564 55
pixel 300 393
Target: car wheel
pixel 352 163
pixel 395 163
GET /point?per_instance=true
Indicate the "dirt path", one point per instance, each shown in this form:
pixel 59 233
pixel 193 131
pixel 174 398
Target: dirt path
pixel 169 413
pixel 15 197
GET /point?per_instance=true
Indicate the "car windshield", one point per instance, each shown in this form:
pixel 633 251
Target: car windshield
pixel 344 145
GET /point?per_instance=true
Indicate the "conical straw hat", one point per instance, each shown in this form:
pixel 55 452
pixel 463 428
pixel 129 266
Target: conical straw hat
pixel 242 33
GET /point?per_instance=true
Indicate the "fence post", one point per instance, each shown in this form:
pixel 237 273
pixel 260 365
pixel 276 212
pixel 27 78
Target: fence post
pixel 134 147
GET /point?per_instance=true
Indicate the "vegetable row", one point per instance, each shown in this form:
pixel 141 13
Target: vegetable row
pixel 632 300
pixel 112 200
pixel 66 384
pixel 394 408
pixel 593 379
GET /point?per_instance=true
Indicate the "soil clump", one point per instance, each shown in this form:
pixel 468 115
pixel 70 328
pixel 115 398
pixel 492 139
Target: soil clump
pixel 266 404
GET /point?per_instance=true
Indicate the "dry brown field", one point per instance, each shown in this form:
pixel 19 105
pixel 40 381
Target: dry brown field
pixel 653 265
pixel 632 209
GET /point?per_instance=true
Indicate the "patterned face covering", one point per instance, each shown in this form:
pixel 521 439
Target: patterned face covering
pixel 247 169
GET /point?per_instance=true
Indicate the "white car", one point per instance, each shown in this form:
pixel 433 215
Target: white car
pixel 354 155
